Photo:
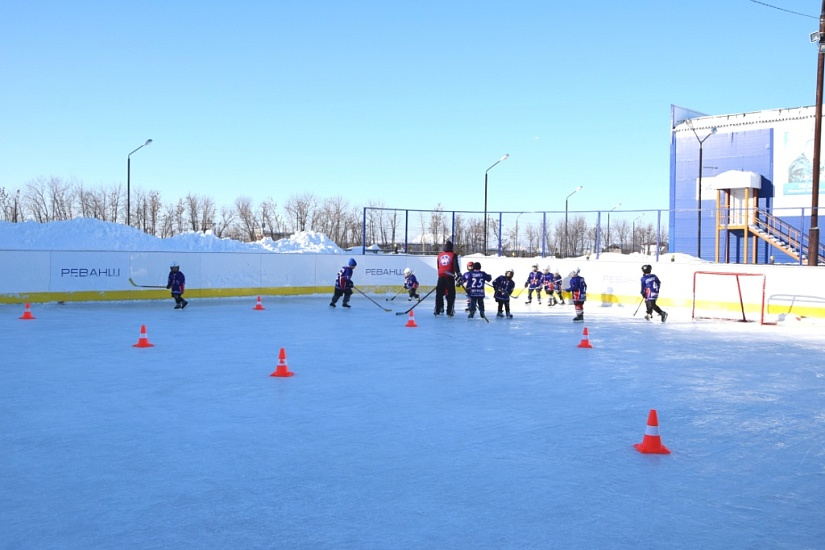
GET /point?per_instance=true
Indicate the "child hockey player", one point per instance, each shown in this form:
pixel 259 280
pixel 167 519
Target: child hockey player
pixel 474 283
pixel 410 284
pixel 578 288
pixel 650 292
pixel 461 281
pixel 503 287
pixel 547 284
pixel 557 282
pixel 533 284
pixel 177 284
pixel 343 284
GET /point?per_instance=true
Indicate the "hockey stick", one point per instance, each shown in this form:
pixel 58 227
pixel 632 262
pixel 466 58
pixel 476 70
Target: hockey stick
pixel 396 295
pixel 370 299
pixel 144 286
pixel 415 305
pixel 637 307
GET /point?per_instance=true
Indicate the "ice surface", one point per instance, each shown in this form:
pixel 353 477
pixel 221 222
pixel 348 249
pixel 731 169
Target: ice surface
pixel 454 434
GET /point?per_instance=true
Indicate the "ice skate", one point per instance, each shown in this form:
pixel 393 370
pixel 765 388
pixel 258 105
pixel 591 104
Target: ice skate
pixel 183 304
pixel 664 316
pixel 647 317
pixel 509 315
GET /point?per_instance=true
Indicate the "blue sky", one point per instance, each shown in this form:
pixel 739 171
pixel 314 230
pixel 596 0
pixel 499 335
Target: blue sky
pixel 404 104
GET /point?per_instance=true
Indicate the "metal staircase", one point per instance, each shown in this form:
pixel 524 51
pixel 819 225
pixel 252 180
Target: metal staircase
pixel 783 236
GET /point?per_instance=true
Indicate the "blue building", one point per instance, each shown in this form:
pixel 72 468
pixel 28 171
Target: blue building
pixel 751 200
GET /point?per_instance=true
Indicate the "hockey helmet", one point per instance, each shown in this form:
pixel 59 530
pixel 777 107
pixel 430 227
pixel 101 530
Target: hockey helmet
pixel 174 265
pixel 470 265
pixel 535 266
pixel 407 272
pixel 509 273
pixel 352 262
pixel 477 265
pixel 546 269
pixel 646 268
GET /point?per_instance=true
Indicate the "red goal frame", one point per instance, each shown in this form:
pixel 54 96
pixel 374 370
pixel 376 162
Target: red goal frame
pixel 742 308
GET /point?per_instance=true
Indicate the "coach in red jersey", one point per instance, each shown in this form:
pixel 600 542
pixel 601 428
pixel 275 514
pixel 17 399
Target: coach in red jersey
pixel 448 271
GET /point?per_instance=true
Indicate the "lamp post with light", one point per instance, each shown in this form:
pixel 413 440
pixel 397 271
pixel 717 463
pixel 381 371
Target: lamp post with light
pixel 505 157
pixel 129 182
pixel 608 225
pixel 566 238
pixel 699 220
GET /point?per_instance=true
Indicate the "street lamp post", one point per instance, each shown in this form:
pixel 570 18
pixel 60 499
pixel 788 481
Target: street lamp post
pixel 129 182
pixel 813 232
pixel 517 250
pixel 699 219
pixel 607 248
pixel 633 230
pixel 566 239
pixel 505 157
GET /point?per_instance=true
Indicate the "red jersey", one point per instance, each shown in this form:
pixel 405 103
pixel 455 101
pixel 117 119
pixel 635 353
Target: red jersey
pixel 447 264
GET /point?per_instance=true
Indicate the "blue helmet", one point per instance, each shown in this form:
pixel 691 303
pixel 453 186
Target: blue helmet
pixel 352 262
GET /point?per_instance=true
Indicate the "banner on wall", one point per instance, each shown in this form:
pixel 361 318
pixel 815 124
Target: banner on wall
pixel 793 164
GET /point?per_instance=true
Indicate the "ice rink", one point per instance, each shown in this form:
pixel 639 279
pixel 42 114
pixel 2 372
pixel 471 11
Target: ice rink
pixel 453 434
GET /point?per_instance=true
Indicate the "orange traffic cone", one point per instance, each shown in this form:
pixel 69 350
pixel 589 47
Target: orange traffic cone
pixel 282 370
pixel 411 321
pixel 27 314
pixel 143 340
pixel 259 306
pixel 585 343
pixel 652 443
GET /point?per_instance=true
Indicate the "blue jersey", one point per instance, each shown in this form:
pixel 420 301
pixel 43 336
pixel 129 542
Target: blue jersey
pixel 650 286
pixel 474 283
pixel 177 282
pixel 503 287
pixel 578 288
pixel 557 282
pixel 534 279
pixel 410 282
pixel 547 282
pixel 344 278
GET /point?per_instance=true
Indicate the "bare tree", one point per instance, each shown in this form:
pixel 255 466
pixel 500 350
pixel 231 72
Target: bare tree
pixel 246 218
pixel 622 230
pixel 225 220
pixel 271 219
pixel 301 211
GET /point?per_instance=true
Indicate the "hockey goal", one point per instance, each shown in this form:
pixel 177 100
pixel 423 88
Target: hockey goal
pixel 729 296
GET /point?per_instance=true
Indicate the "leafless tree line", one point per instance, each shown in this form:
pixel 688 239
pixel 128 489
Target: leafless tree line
pixel 54 199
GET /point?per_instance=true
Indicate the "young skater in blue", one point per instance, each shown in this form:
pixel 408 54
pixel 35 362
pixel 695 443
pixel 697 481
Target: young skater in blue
pixel 344 284
pixel 557 283
pixel 650 292
pixel 578 288
pixel 410 284
pixel 177 284
pixel 533 284
pixel 503 287
pixel 474 281
pixel 547 285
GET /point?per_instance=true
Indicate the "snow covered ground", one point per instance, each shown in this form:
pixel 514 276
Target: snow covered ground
pixel 452 434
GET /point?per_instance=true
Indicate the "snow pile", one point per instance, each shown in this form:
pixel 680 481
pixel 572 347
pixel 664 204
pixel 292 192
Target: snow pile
pixel 91 234
pixel 303 241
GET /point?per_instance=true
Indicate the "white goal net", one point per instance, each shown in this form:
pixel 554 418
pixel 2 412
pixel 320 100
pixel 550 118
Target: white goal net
pixel 729 296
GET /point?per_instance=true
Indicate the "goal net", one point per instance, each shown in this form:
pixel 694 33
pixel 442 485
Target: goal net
pixel 729 296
